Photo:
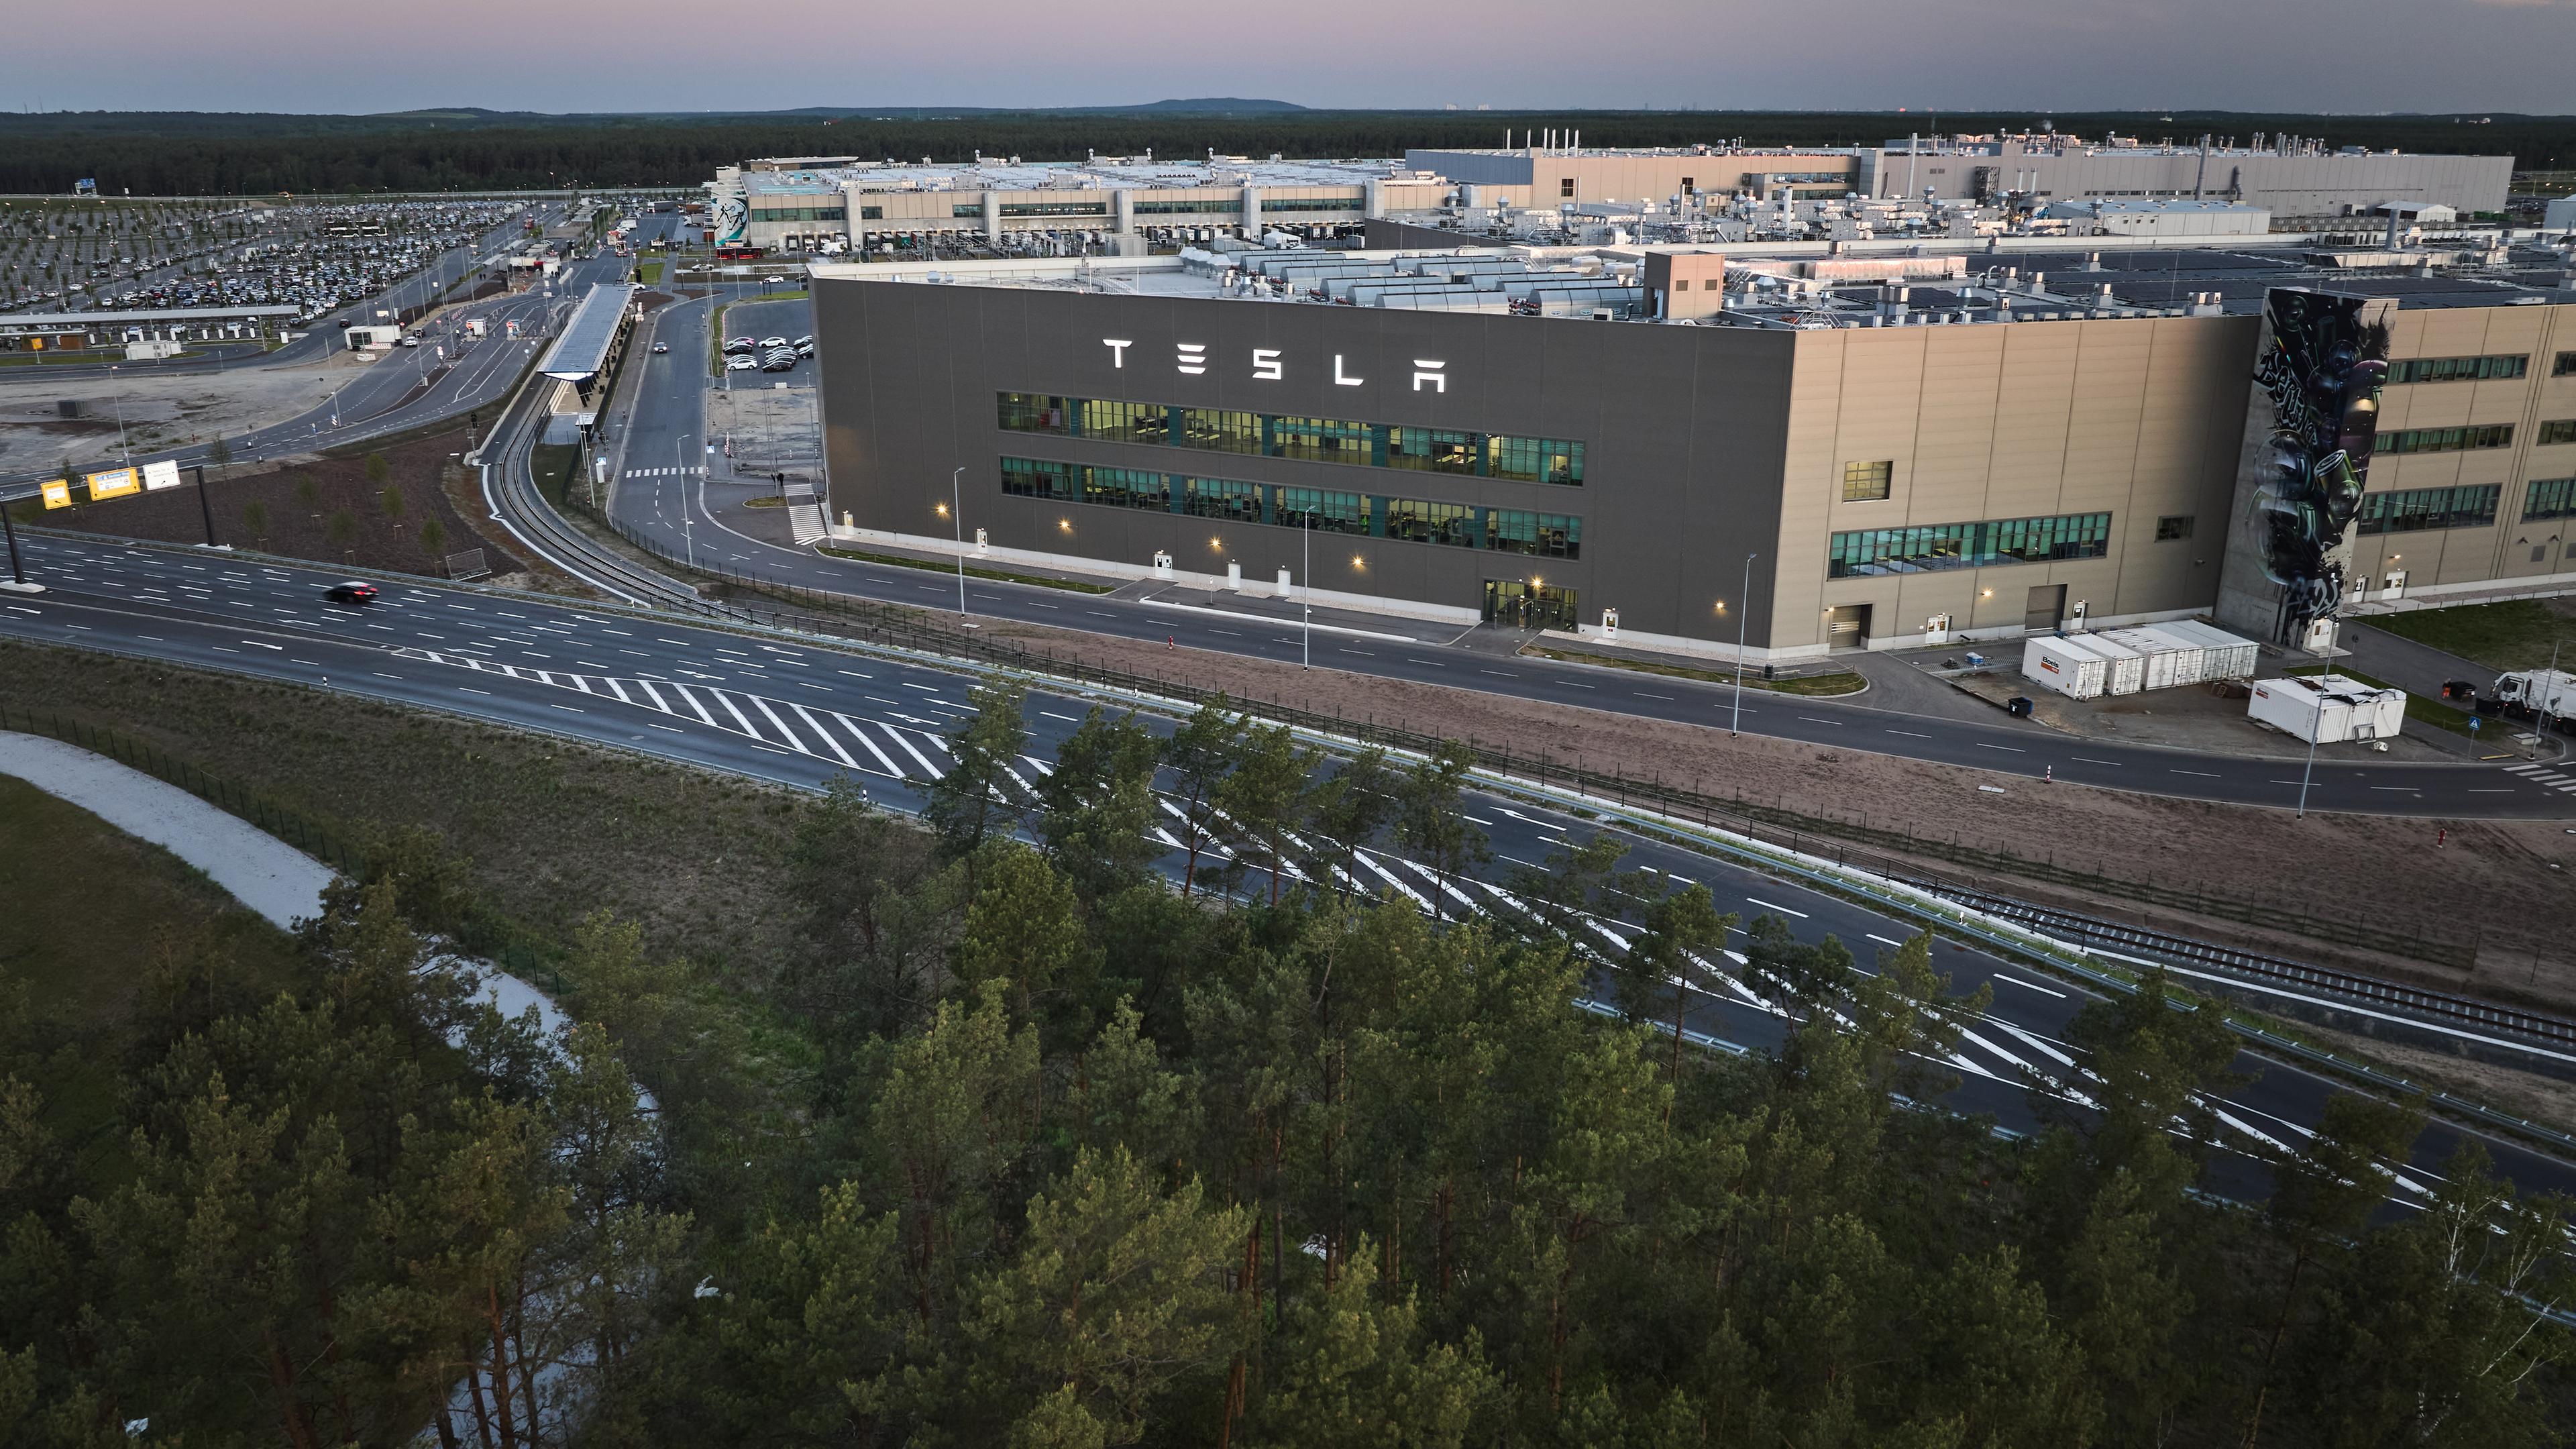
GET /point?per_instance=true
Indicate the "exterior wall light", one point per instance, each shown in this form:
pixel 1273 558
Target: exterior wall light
pixel 940 508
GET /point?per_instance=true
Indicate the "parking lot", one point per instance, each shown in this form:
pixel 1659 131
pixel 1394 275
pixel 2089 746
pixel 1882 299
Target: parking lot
pixel 767 323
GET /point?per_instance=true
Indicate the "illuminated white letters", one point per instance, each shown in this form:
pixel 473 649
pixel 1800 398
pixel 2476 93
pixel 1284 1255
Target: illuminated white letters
pixel 1340 378
pixel 1428 371
pixel 1265 364
pixel 1193 357
pixel 1117 350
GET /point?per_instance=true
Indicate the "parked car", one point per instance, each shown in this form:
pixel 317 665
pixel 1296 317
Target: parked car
pixel 740 344
pixel 773 342
pixel 805 347
pixel 740 364
pixel 780 364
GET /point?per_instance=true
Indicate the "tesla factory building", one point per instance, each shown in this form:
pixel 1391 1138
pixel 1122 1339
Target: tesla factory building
pixel 1894 447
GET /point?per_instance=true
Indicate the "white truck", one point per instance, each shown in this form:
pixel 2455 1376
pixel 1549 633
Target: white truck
pixel 2535 693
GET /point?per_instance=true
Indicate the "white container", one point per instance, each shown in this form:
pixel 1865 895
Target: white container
pixel 2224 656
pixel 2192 663
pixel 2159 656
pixel 2327 710
pixel 2064 666
pixel 2128 668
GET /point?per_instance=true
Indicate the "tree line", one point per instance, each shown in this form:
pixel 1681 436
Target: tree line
pixel 206 155
pixel 1021 1144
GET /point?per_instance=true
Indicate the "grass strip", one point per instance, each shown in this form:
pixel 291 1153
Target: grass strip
pixel 1816 685
pixel 972 572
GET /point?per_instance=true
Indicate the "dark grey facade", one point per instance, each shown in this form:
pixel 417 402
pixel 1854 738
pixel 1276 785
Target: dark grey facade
pixel 1683 432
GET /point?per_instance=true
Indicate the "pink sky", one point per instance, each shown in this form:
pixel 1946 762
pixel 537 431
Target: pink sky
pixel 374 55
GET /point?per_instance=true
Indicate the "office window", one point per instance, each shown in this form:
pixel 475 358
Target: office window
pixel 2564 366
pixel 965 208
pixel 1030 412
pixel 1868 482
pixel 2556 430
pixel 2549 498
pixel 1433 450
pixel 1054 208
pixel 1127 488
pixel 2169 530
pixel 2447 440
pixel 1535 460
pixel 1038 478
pixel 1126 422
pixel 2457 369
pixel 1933 546
pixel 1452 524
pixel 1565 186
pixel 1220 431
pixel 1323 440
pixel 2408 510
pixel 1320 508
pixel 871 213
pixel 1547 535
pixel 1222 498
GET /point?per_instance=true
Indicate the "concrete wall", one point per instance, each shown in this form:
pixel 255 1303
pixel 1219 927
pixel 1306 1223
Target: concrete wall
pixel 1682 428
pixel 2289 186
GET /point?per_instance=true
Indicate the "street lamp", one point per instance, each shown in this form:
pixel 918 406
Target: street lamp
pixel 1306 596
pixel 957 522
pixel 1743 607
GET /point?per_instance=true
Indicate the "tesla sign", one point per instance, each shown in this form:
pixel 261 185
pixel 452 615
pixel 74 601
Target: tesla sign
pixel 1192 359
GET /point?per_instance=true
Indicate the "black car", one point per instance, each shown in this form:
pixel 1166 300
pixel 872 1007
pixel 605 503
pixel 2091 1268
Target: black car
pixel 352 592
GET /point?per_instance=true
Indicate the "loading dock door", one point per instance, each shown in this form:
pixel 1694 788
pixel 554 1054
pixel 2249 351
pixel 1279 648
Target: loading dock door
pixel 2046 609
pixel 1847 627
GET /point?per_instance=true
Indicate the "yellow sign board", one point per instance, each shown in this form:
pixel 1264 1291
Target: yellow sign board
pixel 58 493
pixel 114 483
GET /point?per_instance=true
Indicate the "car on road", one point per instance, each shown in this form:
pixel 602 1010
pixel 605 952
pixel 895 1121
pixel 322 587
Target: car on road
pixel 773 342
pixel 740 364
pixel 352 592
pixel 661 347
pixel 771 281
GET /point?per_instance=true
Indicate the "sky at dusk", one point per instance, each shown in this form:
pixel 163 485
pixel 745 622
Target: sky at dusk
pixel 379 55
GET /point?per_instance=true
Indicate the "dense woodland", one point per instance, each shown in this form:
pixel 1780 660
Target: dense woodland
pixel 1022 1145
pixel 199 153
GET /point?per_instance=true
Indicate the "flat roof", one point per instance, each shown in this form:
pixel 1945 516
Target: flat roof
pixel 583 348
pixel 1103 174
pixel 166 314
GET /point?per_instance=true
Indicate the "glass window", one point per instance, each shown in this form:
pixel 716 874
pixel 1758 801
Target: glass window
pixel 1126 422
pixel 1322 439
pixel 2556 430
pixel 2456 369
pixel 1320 508
pixel 1414 521
pixel 2564 366
pixel 1127 488
pixel 1934 546
pixel 1432 450
pixel 2409 509
pixel 1220 431
pixel 1868 482
pixel 2446 440
pixel 1223 498
pixel 2549 498
pixel 1030 412
pixel 1535 460
pixel 2170 529
pixel 1037 478
pixel 1548 535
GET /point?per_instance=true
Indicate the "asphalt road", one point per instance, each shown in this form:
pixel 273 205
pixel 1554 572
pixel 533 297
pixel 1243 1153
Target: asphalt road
pixel 796 714
pixel 664 462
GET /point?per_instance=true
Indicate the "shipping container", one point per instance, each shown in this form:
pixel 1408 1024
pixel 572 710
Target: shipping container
pixel 2065 666
pixel 2327 709
pixel 2128 668
pixel 2158 657
pixel 2225 655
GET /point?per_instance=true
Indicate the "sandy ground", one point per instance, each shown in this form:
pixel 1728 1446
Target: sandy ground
pixel 767 424
pixel 2503 886
pixel 160 412
pixel 2525 1094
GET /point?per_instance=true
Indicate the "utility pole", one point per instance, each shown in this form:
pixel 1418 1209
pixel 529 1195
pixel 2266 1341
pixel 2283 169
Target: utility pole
pixel 203 505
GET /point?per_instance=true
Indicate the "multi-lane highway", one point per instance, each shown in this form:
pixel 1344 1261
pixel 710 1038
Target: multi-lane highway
pixel 782 709
pixel 661 492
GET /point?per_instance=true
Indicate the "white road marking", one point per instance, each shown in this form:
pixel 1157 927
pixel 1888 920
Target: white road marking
pixel 1766 905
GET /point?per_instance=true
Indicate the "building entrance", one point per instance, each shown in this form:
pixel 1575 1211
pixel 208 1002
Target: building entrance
pixel 1528 606
pixel 1847 627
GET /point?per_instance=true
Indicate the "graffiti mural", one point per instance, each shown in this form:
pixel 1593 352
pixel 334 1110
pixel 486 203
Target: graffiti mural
pixel 2321 368
pixel 731 214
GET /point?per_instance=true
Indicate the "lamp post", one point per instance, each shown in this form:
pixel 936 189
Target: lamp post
pixel 1306 596
pixel 957 522
pixel 1743 606
pixel 2315 729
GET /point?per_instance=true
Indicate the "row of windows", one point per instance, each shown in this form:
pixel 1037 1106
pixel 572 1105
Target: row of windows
pixel 2549 498
pixel 1310 203
pixel 2564 366
pixel 2407 510
pixel 1968 545
pixel 1231 500
pixel 2457 369
pixel 2446 440
pixel 1273 435
pixel 2556 430
pixel 1055 208
pixel 1201 207
pixel 798 213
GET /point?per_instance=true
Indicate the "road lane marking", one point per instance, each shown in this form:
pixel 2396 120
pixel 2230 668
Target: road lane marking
pixel 1912 733
pixel 1766 905
pixel 1983 745
pixel 869 745
pixel 2088 759
pixel 2028 986
pixel 2204 774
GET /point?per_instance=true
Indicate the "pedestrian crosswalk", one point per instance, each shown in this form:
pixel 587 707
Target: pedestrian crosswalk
pixel 683 472
pixel 2554 776
pixel 907 748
